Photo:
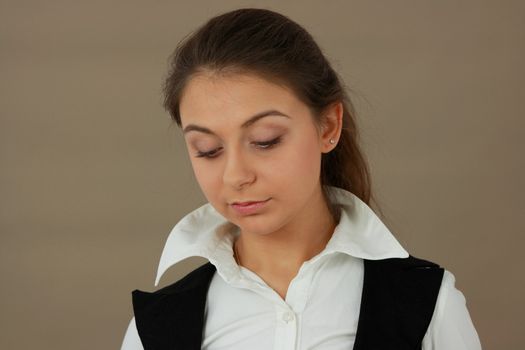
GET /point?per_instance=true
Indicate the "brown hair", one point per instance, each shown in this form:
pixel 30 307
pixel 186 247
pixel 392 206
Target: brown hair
pixel 276 48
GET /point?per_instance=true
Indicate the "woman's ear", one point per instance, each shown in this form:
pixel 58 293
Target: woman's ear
pixel 332 124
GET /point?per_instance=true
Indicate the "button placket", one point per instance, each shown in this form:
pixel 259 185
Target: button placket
pixel 288 317
pixel 286 331
pixel 297 292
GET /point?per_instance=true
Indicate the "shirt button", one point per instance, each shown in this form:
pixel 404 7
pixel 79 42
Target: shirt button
pixel 288 316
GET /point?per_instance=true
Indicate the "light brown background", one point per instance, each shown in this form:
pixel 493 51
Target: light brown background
pixel 93 177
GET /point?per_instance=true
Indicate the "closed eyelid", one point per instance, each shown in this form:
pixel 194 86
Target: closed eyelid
pixel 257 140
pixel 261 145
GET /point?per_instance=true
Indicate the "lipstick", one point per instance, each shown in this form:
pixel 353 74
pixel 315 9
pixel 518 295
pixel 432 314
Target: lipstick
pixel 247 208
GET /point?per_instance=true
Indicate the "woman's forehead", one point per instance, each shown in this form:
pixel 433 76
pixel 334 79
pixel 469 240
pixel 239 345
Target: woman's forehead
pixel 232 87
pixel 235 97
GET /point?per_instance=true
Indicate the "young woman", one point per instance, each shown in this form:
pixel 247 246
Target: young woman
pixel 297 258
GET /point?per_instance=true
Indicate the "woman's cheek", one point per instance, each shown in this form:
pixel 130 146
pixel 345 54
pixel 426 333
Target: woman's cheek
pixel 281 168
pixel 305 166
pixel 206 177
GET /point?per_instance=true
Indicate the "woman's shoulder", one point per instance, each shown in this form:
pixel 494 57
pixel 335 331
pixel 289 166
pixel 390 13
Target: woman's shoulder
pixel 403 264
pixel 192 283
pixel 197 277
pixel 451 326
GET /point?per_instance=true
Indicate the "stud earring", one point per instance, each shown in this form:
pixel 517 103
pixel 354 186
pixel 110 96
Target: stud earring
pixel 332 141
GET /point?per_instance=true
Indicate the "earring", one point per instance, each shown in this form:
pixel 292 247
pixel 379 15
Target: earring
pixel 332 141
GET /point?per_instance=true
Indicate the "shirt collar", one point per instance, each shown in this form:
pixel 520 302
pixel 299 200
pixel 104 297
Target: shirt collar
pixel 206 233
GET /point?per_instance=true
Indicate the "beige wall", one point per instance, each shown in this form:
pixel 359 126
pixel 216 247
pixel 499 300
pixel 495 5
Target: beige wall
pixel 93 178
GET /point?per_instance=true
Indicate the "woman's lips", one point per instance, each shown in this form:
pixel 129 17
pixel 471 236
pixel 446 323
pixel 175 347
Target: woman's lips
pixel 247 208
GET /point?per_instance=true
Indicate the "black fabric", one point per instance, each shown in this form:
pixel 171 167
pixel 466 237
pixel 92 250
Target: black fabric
pixel 397 303
pixel 173 317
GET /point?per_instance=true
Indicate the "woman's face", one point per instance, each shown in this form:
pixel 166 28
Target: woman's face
pixel 238 158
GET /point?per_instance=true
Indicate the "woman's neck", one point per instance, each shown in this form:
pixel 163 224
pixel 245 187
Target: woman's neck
pixel 282 253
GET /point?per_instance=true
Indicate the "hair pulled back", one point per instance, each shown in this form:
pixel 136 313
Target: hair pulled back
pixel 276 48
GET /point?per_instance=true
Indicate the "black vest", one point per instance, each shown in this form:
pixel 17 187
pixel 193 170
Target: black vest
pixel 397 303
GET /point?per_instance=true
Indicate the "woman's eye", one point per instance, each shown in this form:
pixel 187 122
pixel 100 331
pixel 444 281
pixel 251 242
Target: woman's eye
pixel 262 145
pixel 268 144
pixel 209 154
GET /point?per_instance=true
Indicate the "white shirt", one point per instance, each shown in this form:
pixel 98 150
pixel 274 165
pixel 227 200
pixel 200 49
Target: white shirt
pixel 321 309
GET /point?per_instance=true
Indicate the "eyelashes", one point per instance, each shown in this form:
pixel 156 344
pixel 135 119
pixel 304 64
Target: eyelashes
pixel 268 144
pixel 210 154
pixel 264 145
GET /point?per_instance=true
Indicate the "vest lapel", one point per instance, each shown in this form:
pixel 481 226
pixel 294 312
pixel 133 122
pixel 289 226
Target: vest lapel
pixel 397 303
pixel 173 317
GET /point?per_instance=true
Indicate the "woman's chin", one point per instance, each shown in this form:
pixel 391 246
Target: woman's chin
pixel 255 226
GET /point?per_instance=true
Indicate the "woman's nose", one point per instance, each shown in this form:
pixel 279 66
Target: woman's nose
pixel 237 170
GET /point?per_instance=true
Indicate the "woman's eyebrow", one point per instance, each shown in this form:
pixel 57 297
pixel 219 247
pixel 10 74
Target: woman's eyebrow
pixel 247 123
